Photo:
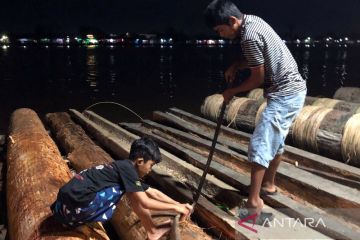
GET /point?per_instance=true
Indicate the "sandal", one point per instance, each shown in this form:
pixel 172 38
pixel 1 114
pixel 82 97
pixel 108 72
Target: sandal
pixel 264 217
pixel 264 192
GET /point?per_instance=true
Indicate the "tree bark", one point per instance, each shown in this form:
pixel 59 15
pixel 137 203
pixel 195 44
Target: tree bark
pixel 35 172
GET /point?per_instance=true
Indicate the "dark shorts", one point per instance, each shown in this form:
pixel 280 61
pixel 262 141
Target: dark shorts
pixel 100 209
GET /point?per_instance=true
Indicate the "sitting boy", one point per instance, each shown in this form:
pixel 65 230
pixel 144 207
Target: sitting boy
pixel 92 195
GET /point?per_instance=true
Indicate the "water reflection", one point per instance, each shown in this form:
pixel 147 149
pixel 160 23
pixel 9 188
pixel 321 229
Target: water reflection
pixel 329 64
pixel 92 71
pixel 167 83
pixel 215 72
pixel 305 71
pixel 324 69
pixel 113 75
pixel 340 68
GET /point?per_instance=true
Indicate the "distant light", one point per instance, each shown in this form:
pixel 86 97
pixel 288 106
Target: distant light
pixel 111 40
pixel 4 38
pixel 46 46
pixel 111 46
pixel 93 41
pixel 4 47
pixel 346 39
pixel 91 36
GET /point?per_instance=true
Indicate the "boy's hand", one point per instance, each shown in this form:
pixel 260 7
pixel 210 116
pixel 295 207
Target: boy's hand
pixel 230 73
pixel 184 211
pixel 228 94
pixel 188 206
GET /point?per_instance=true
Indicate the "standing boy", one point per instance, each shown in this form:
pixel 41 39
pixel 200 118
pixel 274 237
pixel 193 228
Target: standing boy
pixel 92 195
pixel 271 64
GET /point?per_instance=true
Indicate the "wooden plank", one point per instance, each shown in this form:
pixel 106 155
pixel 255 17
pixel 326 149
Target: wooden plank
pixel 79 145
pixel 335 228
pixel 239 146
pixel 292 154
pixel 175 168
pixel 221 193
pixel 127 220
pixel 296 181
pixel 35 172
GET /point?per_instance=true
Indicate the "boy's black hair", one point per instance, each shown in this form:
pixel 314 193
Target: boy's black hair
pixel 145 148
pixel 219 11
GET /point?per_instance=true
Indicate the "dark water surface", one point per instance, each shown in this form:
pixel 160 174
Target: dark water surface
pixel 144 79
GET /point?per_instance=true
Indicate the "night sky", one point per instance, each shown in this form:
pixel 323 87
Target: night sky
pixel 304 17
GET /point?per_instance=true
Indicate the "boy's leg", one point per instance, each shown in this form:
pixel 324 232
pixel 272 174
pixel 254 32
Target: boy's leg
pixel 268 183
pixel 255 203
pixel 292 105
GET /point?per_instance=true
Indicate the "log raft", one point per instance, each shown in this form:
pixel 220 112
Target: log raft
pixel 214 189
pixel 35 172
pixel 301 183
pixel 238 141
pixel 241 181
pixel 226 185
pixel 84 153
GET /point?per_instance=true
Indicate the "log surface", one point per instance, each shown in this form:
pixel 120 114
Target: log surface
pixel 35 172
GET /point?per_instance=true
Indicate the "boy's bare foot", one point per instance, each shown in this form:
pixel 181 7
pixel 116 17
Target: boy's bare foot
pixel 157 233
pixel 255 207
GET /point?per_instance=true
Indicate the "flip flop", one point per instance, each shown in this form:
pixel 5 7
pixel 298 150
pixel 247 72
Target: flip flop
pixel 264 217
pixel 264 192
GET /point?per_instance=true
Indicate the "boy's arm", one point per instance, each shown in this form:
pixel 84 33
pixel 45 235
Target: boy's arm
pixel 230 73
pixel 148 203
pixel 255 80
pixel 158 195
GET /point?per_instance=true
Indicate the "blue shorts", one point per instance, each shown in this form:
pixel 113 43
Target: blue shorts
pixel 100 209
pixel 270 133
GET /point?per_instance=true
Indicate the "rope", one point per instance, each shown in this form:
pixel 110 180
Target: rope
pixel 350 143
pixel 257 94
pixel 115 103
pixel 211 106
pixel 326 102
pixel 259 112
pixel 233 110
pixel 306 125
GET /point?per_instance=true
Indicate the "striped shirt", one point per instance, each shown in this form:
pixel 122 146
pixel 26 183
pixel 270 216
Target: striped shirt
pixel 262 46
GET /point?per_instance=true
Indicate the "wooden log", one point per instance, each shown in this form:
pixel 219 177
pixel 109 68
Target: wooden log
pixel 314 139
pixel 301 183
pixel 256 94
pixel 238 141
pixel 79 146
pixel 335 228
pixel 320 130
pixel 350 94
pixel 337 104
pixel 310 100
pixel 246 115
pixel 35 172
pixel 175 168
